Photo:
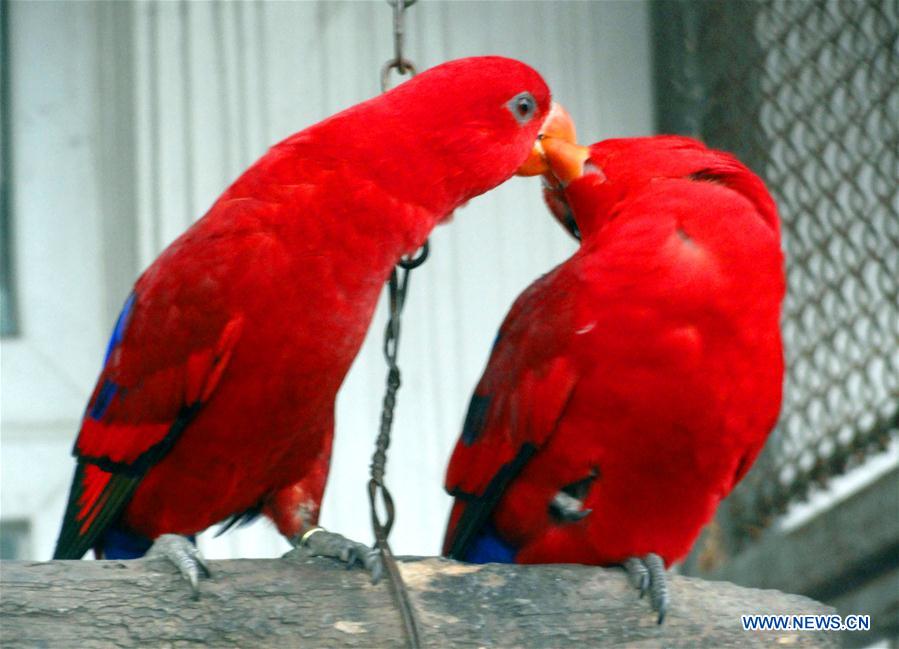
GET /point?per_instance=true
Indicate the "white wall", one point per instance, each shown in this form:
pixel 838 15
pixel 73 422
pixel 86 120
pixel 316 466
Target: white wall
pixel 130 118
pixel 47 372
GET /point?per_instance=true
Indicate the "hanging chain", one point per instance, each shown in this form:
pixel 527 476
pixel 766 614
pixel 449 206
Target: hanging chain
pixel 397 287
pixel 399 63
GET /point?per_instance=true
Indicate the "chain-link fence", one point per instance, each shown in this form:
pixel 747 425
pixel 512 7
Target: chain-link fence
pixel 807 94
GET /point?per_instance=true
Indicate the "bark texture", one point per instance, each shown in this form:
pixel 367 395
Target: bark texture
pixel 306 602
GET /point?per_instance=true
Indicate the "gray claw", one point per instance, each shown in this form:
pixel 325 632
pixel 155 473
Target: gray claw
pixel 373 563
pixel 647 574
pixel 185 556
pixel 568 508
pixel 321 543
pixel 658 586
pixel 638 574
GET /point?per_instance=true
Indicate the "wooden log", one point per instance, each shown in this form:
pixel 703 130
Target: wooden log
pixel 306 602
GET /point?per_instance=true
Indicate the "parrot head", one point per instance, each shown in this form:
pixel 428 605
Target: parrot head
pixel 585 183
pixel 442 137
pixel 461 128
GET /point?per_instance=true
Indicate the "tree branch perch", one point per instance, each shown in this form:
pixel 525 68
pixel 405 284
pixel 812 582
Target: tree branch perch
pixel 305 602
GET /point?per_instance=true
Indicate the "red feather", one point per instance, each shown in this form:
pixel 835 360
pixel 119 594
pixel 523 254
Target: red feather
pixel 647 368
pixel 218 393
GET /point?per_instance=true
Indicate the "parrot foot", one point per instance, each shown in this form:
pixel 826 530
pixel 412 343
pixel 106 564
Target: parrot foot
pixel 186 557
pixel 647 574
pixel 568 508
pixel 319 542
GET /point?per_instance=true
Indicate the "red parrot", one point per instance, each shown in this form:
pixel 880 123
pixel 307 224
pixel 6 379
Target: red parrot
pixel 634 385
pixel 216 397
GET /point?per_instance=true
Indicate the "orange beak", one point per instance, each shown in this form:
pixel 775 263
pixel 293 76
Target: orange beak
pixel 565 160
pixel 558 127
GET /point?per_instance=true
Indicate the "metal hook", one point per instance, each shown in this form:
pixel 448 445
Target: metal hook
pixel 417 259
pixel 402 67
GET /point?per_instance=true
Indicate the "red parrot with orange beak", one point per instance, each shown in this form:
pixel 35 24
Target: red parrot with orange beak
pixel 632 387
pixel 216 396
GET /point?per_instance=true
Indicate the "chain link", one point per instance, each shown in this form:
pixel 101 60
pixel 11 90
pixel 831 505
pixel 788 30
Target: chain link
pixel 399 63
pixel 397 287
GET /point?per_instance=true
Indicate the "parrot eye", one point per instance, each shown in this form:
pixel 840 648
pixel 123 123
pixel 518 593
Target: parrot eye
pixel 523 107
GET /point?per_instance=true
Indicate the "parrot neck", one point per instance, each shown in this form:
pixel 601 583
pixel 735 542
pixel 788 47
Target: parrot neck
pixel 393 166
pixel 317 200
pixel 592 207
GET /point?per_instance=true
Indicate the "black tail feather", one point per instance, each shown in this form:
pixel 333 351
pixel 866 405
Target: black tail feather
pixel 74 539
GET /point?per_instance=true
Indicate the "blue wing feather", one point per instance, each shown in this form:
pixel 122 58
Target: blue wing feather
pixel 104 398
pixel 488 547
pixel 108 389
pixel 118 332
pixel 475 418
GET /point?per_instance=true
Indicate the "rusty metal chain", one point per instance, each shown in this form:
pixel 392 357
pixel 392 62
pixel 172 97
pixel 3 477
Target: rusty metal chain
pixel 397 287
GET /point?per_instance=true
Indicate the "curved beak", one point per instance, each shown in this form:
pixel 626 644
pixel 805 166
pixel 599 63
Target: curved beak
pixel 557 126
pixel 565 160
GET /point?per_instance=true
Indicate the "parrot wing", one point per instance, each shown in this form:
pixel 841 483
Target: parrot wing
pixel 515 407
pixel 164 360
